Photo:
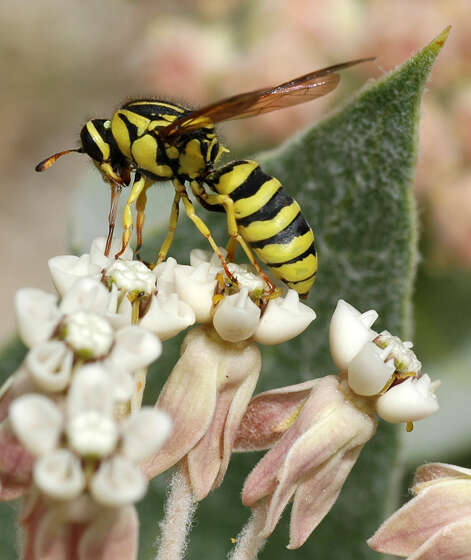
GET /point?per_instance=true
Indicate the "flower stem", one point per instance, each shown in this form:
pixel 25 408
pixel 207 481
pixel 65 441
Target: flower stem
pixel 179 511
pixel 249 543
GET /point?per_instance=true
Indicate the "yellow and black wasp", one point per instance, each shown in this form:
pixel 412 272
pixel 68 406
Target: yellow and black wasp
pixel 162 141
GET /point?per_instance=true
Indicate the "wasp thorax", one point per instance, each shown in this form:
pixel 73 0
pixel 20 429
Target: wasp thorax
pixel 95 139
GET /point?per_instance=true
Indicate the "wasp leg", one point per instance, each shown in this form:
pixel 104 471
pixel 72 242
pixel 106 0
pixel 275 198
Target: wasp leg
pixel 141 216
pixel 171 229
pixel 140 183
pixel 200 225
pixel 232 228
pixel 115 193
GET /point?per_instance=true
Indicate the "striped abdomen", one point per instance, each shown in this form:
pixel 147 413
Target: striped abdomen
pixel 270 221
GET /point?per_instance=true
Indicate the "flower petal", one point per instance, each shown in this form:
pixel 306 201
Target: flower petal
pixel 349 330
pixel 167 316
pixel 317 494
pixel 87 294
pixel 59 475
pixel 65 270
pixel 236 317
pixel 16 385
pixel 411 400
pixel 414 523
pixel 269 415
pixel 97 252
pixel 92 434
pixel 90 390
pixel 195 286
pixel 144 432
pixel 36 314
pixel 37 422
pixel 452 542
pixel 50 365
pixel 16 465
pixel 118 482
pixel 283 319
pixel 112 535
pixel 434 473
pixel 189 399
pixel 135 347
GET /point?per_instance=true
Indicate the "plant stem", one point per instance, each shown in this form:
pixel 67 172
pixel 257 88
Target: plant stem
pixel 179 511
pixel 249 543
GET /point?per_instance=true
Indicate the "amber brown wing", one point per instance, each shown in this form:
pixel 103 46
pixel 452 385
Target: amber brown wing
pixel 302 89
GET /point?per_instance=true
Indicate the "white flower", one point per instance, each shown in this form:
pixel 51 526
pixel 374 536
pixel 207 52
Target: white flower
pixel 66 269
pixel 37 315
pixel 131 276
pixel 50 365
pixel 380 366
pixel 167 315
pixel 93 438
pixel 236 318
pixel 411 400
pixel 37 422
pixel 283 319
pixel 90 335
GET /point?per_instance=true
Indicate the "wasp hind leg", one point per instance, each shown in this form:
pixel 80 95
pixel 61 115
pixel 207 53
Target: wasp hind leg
pixel 233 230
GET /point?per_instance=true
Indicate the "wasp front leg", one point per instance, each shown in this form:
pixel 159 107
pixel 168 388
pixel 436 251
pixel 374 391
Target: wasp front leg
pixel 141 184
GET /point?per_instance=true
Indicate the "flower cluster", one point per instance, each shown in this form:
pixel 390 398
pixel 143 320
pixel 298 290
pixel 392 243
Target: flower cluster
pixel 316 430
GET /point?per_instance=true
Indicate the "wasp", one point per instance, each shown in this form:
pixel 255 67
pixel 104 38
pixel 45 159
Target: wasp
pixel 155 140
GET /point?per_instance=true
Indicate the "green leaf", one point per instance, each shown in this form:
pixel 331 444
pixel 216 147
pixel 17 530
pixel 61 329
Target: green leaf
pixel 352 175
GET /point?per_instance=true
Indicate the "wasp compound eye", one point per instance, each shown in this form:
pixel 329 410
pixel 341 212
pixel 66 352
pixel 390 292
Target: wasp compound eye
pixel 94 139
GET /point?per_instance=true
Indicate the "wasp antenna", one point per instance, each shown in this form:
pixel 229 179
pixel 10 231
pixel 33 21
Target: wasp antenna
pixel 46 163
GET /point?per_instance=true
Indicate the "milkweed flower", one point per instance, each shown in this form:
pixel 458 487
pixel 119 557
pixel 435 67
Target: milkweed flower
pixel 436 523
pixel 316 430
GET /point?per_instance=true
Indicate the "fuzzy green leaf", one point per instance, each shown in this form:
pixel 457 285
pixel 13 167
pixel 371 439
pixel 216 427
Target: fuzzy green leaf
pixel 352 175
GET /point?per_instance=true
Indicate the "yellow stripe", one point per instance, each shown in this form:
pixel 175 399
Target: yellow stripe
pixel 263 229
pixel 103 146
pixel 246 206
pixel 164 121
pixel 297 271
pixel 120 131
pixel 161 103
pixel 280 253
pixel 144 153
pixel 235 177
pixel 303 287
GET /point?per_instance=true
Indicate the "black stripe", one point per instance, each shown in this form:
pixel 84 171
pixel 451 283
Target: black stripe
pixel 299 281
pixel 132 128
pixel 154 110
pixel 251 185
pixel 296 228
pixel 270 209
pixel 310 251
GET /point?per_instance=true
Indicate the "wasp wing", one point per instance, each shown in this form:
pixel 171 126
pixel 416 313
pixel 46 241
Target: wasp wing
pixel 302 89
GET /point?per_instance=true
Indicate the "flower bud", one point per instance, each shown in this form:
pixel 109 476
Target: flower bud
pixel 236 317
